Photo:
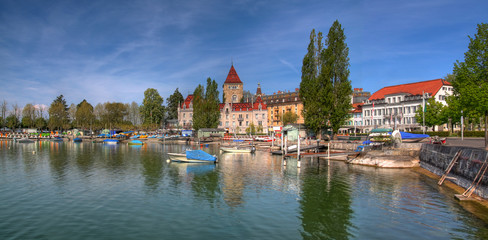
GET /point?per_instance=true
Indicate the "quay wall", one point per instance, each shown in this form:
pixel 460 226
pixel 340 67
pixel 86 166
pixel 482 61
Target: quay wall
pixel 436 158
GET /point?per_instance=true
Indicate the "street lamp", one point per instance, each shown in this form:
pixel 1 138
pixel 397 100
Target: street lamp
pixel 462 126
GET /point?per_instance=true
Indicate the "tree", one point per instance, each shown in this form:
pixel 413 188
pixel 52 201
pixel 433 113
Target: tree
pixel 40 123
pixel 471 77
pixel 72 114
pixel 3 113
pixel 114 114
pixel 206 110
pixel 28 116
pixel 289 117
pixel 434 114
pixel 325 88
pixel 12 122
pixel 174 101
pixel 251 129
pixel 84 115
pixel 152 109
pixel 336 83
pixel 58 113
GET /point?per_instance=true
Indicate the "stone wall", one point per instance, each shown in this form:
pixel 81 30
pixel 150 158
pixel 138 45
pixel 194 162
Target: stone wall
pixel 436 159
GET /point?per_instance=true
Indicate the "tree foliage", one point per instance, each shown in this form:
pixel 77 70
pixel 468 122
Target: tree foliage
pixel 435 114
pixel 471 78
pixel 152 109
pixel 289 117
pixel 28 116
pixel 58 114
pixel 84 115
pixel 325 88
pixel 173 102
pixel 206 111
pixel 12 121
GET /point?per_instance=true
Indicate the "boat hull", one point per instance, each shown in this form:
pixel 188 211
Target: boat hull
pixel 181 157
pixel 235 150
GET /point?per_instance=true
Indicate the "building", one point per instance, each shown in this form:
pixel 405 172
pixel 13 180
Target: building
pixel 185 113
pixel 358 96
pixel 280 103
pixel 395 106
pixel 235 115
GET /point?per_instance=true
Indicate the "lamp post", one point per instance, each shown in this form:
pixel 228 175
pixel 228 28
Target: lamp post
pixel 462 126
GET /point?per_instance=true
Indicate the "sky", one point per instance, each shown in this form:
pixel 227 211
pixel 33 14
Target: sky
pixel 112 51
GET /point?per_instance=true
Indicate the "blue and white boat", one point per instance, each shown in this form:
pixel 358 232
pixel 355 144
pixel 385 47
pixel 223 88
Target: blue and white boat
pixel 77 140
pixel 136 142
pixel 192 156
pixel 110 141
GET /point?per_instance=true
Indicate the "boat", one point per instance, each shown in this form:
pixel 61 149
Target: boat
pixel 412 137
pixel 110 141
pixel 24 140
pixel 238 149
pixel 57 139
pixel 192 156
pixel 77 140
pixel 136 142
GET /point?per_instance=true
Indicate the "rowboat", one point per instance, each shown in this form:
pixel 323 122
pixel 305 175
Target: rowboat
pixel 238 149
pixel 192 156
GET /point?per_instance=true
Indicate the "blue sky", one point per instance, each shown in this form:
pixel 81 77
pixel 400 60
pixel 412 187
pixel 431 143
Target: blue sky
pixel 114 50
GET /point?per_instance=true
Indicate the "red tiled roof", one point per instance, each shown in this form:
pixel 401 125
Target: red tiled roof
pixel 232 77
pixel 236 107
pixel 357 107
pixel 187 101
pixel 431 87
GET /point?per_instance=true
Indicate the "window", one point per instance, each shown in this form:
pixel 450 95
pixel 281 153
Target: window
pixel 191 114
pixel 234 98
pixel 227 123
pixel 247 116
pixel 220 123
pixel 233 116
pixel 184 115
pixel 256 116
pixel 263 115
pixel 260 123
pixel 240 123
pixel 247 123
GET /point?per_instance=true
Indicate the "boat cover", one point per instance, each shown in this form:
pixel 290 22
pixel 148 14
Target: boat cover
pixel 199 155
pixel 136 142
pixel 406 135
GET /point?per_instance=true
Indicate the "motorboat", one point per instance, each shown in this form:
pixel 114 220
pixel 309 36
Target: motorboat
pixel 238 149
pixel 77 140
pixel 110 141
pixel 192 156
pixel 136 142
pixel 24 140
pixel 57 139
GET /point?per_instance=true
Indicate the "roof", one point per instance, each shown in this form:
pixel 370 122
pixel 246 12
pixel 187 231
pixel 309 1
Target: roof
pixel 232 77
pixel 357 107
pixel 187 101
pixel 246 106
pixel 431 87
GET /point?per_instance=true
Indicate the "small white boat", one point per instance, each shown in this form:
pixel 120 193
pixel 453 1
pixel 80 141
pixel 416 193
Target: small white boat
pixel 238 149
pixel 110 141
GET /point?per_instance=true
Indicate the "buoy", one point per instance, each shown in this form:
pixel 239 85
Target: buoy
pixel 167 160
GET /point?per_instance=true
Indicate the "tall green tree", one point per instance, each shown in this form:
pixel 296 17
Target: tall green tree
pixel 435 114
pixel 12 122
pixel 58 114
pixel 173 102
pixel 3 113
pixel 336 88
pixel 471 77
pixel 325 88
pixel 113 115
pixel 84 115
pixel 152 109
pixel 206 110
pixel 28 115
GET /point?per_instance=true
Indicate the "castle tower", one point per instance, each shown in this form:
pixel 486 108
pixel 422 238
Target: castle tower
pixel 233 87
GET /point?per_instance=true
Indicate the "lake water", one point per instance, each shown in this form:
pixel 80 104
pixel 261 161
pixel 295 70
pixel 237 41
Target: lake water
pixel 94 191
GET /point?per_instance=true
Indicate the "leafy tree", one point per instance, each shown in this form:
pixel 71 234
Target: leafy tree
pixel 134 115
pixel 251 129
pixel 28 115
pixel 72 113
pixel 114 114
pixel 206 110
pixel 58 113
pixel 152 109
pixel 289 117
pixel 471 77
pixel 12 121
pixel 174 100
pixel 435 114
pixel 40 123
pixel 84 115
pixel 3 113
pixel 336 83
pixel 325 88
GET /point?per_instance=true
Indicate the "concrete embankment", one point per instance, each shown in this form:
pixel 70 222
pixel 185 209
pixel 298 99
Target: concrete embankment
pixel 436 159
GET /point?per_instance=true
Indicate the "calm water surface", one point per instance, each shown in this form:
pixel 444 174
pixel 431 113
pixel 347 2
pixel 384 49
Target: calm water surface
pixel 94 191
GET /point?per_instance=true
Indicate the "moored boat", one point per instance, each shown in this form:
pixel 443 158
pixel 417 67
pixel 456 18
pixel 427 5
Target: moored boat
pixel 110 141
pixel 238 149
pixel 192 156
pixel 136 142
pixel 24 140
pixel 77 140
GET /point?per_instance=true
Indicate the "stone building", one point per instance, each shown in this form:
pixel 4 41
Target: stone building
pixel 235 115
pixel 280 103
pixel 395 106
